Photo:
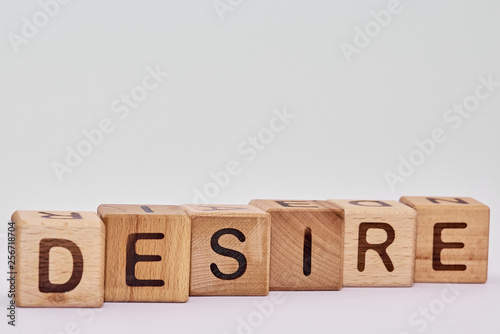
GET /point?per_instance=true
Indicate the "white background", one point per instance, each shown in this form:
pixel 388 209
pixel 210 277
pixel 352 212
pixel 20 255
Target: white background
pixel 353 121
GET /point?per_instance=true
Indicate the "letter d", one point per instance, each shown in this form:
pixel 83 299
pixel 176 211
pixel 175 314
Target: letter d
pixel 222 178
pixel 361 40
pixel 243 327
pixel 28 30
pixel 266 307
pixel 51 7
pixel 405 169
pixel 94 136
pixel 383 17
pixel 72 158
pixel 426 145
pixel 44 285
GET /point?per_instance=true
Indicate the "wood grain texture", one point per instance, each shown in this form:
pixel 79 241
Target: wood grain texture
pixel 379 243
pixel 230 250
pixel 147 253
pixel 60 259
pixel 452 239
pixel 307 239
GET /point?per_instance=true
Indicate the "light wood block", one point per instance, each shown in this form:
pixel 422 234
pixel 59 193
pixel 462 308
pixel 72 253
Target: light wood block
pixel 147 253
pixel 452 239
pixel 379 246
pixel 307 239
pixel 230 250
pixel 59 259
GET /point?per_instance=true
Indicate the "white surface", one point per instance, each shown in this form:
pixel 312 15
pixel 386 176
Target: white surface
pixel 352 122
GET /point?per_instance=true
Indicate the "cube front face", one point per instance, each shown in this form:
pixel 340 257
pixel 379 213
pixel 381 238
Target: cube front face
pixel 147 253
pixel 379 243
pixel 306 244
pixel 230 250
pixel 452 242
pixel 60 259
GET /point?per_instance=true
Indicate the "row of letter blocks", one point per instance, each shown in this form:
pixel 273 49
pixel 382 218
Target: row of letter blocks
pixel 165 253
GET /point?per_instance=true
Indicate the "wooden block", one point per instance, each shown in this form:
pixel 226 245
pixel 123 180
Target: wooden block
pixel 147 253
pixel 60 259
pixel 379 246
pixel 307 239
pixel 230 250
pixel 452 239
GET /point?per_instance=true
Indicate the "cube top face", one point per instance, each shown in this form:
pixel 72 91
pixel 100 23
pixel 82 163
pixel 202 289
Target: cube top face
pixel 372 206
pixel 55 218
pixel 137 209
pixel 452 242
pixel 306 244
pixel 147 253
pixel 437 200
pixel 230 210
pixel 230 250
pixel 379 243
pixel 269 205
pixel 60 260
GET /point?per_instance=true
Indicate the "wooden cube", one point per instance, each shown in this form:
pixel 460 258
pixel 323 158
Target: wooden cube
pixel 147 253
pixel 379 246
pixel 452 239
pixel 59 259
pixel 230 250
pixel 307 239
